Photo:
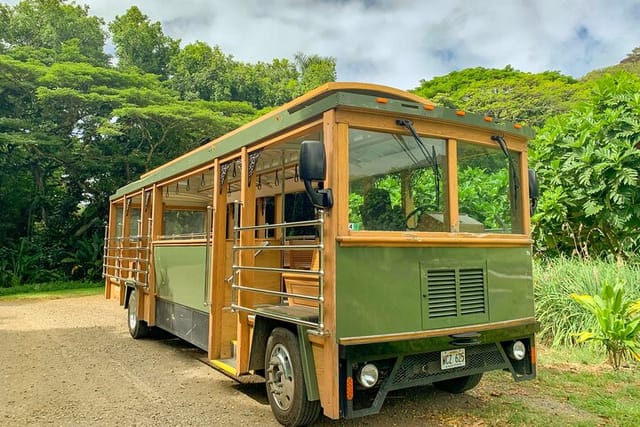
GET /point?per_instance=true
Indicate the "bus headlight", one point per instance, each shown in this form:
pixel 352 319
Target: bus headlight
pixel 368 375
pixel 518 350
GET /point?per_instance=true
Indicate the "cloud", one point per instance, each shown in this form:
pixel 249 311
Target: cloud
pixel 400 42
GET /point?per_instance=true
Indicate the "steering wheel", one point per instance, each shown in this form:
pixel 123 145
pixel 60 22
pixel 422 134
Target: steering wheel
pixel 417 212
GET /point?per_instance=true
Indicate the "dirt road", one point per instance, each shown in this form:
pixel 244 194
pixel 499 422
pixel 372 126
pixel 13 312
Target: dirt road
pixel 72 362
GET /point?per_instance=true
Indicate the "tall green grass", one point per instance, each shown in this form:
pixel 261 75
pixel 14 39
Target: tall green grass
pixel 555 279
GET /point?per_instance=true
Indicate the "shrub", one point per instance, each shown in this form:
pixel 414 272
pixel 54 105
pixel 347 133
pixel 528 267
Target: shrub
pixel 556 279
pixel 618 320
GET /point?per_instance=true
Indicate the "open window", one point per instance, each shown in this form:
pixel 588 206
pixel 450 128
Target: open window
pixel 185 201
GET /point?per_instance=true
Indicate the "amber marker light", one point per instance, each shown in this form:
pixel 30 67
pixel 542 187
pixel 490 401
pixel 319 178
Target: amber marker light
pixel 517 126
pixel 460 113
pixel 349 388
pixel 534 356
pixel 429 107
pixel 488 119
pixel 382 100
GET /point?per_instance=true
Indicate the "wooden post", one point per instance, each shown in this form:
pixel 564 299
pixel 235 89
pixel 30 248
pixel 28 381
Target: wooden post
pixel 452 218
pixel 218 283
pixel 336 221
pixel 247 238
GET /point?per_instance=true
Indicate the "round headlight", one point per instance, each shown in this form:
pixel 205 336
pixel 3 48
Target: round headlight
pixel 368 375
pixel 518 350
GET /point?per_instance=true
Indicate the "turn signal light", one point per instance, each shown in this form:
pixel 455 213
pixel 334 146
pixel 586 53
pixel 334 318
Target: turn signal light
pixel 349 387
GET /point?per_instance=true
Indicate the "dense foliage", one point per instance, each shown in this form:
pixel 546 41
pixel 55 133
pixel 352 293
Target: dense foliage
pixel 588 162
pixel 73 127
pixel 561 318
pixel 75 124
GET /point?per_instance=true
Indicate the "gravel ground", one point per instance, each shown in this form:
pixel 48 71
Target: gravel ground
pixel 71 361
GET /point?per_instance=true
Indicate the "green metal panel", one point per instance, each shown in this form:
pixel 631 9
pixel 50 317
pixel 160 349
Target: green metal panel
pixel 382 290
pixel 180 274
pixel 309 367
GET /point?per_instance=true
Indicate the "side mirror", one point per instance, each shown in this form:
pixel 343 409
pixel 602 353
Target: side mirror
pixel 534 191
pixel 313 167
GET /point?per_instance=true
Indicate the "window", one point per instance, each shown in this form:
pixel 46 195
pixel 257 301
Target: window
pixel 118 233
pixel 396 183
pixel 135 222
pixel 183 224
pixel 489 190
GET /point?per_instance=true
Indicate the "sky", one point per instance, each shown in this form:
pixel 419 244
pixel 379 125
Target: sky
pixel 400 42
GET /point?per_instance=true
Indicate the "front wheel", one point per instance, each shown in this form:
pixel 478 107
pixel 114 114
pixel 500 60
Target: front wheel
pixel 285 381
pixel 459 385
pixel 137 328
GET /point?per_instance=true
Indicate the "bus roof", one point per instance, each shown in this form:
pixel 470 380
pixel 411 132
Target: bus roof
pixel 303 108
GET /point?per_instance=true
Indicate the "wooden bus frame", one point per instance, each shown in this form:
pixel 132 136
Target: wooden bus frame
pixel 334 320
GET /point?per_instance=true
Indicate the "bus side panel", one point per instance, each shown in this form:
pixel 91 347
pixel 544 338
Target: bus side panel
pixel 384 290
pixel 180 274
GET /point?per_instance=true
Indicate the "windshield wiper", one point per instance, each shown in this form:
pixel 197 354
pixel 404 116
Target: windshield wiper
pixel 514 175
pixel 430 157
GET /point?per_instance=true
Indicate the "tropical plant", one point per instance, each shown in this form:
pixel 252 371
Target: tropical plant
pixel 588 163
pixel 618 322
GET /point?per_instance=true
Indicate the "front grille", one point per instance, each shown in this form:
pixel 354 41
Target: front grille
pixel 455 292
pixel 425 368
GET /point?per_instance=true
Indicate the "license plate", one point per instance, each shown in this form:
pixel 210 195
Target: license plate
pixel 452 358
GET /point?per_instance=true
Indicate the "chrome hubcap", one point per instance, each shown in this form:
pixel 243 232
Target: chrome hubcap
pixel 133 310
pixel 280 380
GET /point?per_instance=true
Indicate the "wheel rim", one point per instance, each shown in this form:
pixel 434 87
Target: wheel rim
pixel 280 377
pixel 133 310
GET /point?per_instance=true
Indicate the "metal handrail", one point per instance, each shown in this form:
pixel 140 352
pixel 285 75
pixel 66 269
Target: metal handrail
pixel 317 328
pixel 115 255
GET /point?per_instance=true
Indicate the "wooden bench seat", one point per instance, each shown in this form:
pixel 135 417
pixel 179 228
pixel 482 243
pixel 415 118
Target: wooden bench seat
pixel 303 284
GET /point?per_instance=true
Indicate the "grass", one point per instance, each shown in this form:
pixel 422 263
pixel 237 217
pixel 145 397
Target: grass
pixel 572 389
pixel 554 280
pixel 52 290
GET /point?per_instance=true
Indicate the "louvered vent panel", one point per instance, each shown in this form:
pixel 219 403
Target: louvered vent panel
pixel 472 295
pixel 442 293
pixel 456 292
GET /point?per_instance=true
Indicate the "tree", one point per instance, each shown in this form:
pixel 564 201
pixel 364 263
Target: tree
pixel 201 72
pixel 588 162
pixel 55 25
pixel 314 71
pixel 506 94
pixel 152 135
pixel 633 57
pixel 141 43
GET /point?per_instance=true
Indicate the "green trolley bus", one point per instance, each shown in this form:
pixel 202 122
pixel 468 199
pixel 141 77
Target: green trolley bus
pixel 355 241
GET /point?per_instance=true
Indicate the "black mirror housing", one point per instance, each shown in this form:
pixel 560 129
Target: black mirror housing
pixel 534 191
pixel 313 167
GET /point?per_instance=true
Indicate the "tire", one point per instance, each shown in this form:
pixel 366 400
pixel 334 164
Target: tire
pixel 284 381
pixel 459 385
pixel 137 328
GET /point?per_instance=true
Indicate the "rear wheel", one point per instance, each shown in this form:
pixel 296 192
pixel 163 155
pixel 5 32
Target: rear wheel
pixel 137 328
pixel 285 381
pixel 459 385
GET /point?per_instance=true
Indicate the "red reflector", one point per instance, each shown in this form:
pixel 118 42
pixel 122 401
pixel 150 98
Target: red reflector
pixel 349 388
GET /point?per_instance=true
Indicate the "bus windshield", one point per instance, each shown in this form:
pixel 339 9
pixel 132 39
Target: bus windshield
pixel 398 184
